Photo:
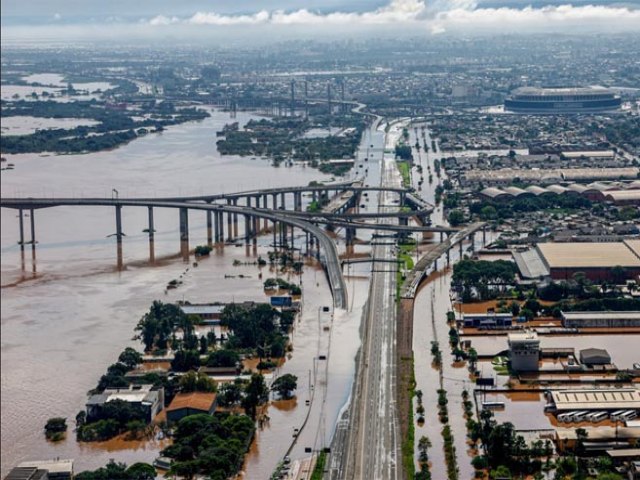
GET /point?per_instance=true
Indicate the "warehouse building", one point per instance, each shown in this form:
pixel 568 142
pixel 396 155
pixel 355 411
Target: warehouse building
pixel 600 319
pixel 489 319
pixel 595 260
pixel 594 356
pixel 594 399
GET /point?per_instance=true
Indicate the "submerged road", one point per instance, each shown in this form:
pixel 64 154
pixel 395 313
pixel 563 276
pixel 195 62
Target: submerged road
pixel 370 447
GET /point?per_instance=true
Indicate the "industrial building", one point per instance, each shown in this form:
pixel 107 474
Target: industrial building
pixel 145 397
pixel 562 100
pixel 600 319
pixel 594 260
pixel 524 351
pixel 594 399
pixel 489 319
pixel 185 404
pixel 594 356
pixel 59 469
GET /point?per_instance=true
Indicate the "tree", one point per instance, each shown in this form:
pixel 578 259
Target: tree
pixel 284 385
pixel 256 393
pixel 618 274
pixel 473 358
pixel 55 428
pixel 455 218
pixel 141 471
pixel 185 360
pixel 424 444
pixel 196 382
pixel 223 358
pixel 501 472
pixel 81 418
pixel 130 357
pixel 229 394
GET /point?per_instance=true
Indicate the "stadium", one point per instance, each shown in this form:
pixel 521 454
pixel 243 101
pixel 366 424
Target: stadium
pixel 562 100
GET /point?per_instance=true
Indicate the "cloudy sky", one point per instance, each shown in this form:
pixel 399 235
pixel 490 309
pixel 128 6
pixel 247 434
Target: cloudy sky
pixel 202 17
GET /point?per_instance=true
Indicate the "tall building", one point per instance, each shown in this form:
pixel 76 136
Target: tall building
pixel 562 100
pixel 524 351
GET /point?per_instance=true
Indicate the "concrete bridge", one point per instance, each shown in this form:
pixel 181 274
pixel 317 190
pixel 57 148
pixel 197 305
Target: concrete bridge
pixel 215 227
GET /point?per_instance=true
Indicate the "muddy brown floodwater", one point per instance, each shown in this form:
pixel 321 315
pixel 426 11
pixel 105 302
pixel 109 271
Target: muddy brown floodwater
pixel 68 313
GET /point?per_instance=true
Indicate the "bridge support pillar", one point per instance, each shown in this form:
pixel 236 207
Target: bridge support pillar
pixel 184 232
pixel 484 236
pixel 247 232
pixel 435 265
pixel 265 204
pixel 119 235
pixel 220 223
pixel 275 235
pixel 32 221
pixel 151 229
pixel 441 237
pixel 472 237
pixel 460 245
pixel 292 238
pixel 306 243
pixel 448 257
pixel 283 204
pixel 230 232
pixel 314 196
pixel 274 199
pixel 234 234
pixel 318 249
pixel 209 228
pixel 256 229
pixel 21 220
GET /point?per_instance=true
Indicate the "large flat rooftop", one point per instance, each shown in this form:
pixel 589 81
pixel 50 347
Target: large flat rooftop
pixel 588 255
pixel 598 399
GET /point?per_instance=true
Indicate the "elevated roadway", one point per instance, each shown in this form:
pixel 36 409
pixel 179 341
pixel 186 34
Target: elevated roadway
pixel 332 262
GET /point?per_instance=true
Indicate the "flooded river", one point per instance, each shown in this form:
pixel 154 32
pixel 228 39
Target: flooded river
pixel 68 312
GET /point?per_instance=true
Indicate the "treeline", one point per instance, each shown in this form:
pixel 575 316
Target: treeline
pixel 116 127
pixel 282 138
pixel 210 445
pixel 482 278
pixel 490 210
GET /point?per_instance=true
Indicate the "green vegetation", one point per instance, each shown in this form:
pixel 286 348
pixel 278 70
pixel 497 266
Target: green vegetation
pixel 202 250
pixel 285 385
pixel 258 328
pixel 409 441
pixel 116 127
pixel 119 471
pixel 196 382
pixel 482 278
pixel 210 445
pixel 403 152
pixel 281 138
pixel 111 419
pixel 450 453
pixel 455 218
pixel 282 284
pixel 256 393
pixel 424 444
pixel 504 449
pixel 405 172
pixel 490 210
pixel 318 470
pixel 55 428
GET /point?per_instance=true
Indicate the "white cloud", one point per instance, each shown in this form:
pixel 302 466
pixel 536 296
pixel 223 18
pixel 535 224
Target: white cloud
pixel 437 16
pixel 162 20
pixel 211 18
pixel 539 19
